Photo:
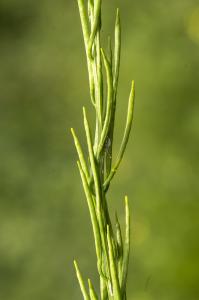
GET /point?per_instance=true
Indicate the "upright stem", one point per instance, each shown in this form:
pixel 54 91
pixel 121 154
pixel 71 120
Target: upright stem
pixel 96 173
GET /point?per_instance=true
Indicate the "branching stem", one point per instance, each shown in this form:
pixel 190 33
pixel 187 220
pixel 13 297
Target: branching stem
pixel 97 171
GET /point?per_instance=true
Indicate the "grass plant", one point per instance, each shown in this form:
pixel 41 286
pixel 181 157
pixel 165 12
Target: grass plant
pixel 97 167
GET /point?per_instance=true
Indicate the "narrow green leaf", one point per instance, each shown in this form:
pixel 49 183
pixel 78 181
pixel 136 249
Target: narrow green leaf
pixel 107 120
pixel 85 29
pixel 80 154
pixel 103 290
pixel 110 51
pixel 91 82
pixel 119 237
pixel 126 246
pixel 117 52
pixel 92 160
pixel 113 269
pixel 93 216
pixel 96 25
pixel 97 70
pixel 119 249
pixel 90 10
pixel 92 292
pixel 81 282
pixel 99 96
pixel 84 21
pixel 97 229
pixel 127 130
pixel 98 189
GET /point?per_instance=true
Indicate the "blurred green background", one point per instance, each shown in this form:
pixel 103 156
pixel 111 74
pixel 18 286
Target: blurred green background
pixel 44 222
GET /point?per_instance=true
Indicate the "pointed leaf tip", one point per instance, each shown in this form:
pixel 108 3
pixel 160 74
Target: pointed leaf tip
pixel 117 16
pixel 126 199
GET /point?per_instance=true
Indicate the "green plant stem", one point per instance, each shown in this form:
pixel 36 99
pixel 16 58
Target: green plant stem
pixel 96 172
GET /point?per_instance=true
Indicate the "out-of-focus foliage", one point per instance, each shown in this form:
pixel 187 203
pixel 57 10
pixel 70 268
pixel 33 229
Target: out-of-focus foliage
pixel 44 220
